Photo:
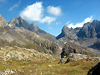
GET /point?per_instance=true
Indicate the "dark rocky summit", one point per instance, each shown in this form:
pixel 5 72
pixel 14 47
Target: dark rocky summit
pixel 87 31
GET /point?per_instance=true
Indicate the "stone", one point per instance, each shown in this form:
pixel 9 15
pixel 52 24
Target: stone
pixel 77 57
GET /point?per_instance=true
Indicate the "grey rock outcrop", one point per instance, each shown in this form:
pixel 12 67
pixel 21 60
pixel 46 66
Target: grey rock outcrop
pixel 17 53
pixel 77 57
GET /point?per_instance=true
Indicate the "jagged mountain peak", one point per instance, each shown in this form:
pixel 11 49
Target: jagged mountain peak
pixel 65 27
pixel 3 21
pixel 90 29
pixel 18 22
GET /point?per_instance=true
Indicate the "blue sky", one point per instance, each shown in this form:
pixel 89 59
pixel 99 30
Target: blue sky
pixel 52 15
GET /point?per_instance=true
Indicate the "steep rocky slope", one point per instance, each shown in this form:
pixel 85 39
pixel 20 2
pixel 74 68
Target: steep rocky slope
pixel 30 31
pixel 9 37
pixel 41 41
pixel 6 33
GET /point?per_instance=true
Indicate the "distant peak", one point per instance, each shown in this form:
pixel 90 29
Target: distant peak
pixel 65 27
pixel 18 22
pixel 19 18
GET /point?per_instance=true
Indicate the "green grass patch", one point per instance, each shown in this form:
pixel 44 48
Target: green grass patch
pixel 49 68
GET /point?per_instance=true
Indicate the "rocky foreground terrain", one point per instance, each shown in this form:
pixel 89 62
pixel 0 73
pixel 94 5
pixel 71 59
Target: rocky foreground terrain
pixel 22 61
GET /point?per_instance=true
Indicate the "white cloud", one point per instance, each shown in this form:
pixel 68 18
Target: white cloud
pixel 54 10
pixel 34 12
pixel 15 6
pixel 89 19
pixel 48 19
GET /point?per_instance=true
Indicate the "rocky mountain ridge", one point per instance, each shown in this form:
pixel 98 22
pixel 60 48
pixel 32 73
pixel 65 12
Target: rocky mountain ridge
pixel 86 36
pixel 19 22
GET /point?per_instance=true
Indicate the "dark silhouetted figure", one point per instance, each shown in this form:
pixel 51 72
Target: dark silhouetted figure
pixel 95 70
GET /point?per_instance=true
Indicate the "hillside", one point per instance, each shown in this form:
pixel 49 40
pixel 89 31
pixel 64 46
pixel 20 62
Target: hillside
pixel 29 30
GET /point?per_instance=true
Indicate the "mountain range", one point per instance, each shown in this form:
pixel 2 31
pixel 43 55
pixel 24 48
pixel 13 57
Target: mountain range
pixel 18 32
pixel 86 36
